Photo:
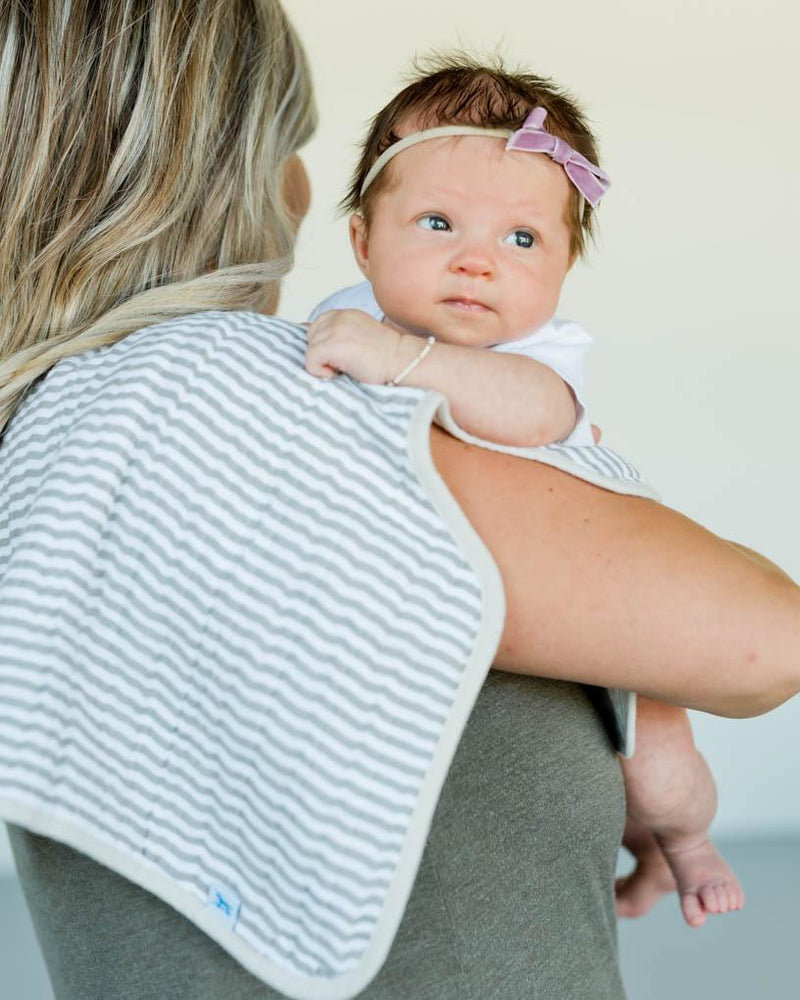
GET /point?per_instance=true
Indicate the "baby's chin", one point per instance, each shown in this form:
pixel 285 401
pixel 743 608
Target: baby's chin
pixel 467 333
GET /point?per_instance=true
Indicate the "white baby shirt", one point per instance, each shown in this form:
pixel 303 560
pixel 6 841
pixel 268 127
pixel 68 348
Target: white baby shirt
pixel 559 344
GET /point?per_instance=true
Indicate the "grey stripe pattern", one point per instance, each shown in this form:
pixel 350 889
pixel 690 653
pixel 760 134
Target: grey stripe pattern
pixel 232 623
pixel 599 458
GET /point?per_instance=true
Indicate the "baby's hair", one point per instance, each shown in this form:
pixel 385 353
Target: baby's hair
pixel 457 89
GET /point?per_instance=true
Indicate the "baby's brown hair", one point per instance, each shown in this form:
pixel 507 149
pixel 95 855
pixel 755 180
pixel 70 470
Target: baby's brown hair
pixel 457 89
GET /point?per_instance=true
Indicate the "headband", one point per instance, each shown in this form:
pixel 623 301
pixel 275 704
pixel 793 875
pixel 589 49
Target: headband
pixel 589 179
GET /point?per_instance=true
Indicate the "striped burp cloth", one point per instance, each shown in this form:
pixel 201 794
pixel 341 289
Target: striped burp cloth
pixel 242 626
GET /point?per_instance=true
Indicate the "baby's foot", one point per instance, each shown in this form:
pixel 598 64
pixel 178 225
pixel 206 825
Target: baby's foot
pixel 651 879
pixel 705 882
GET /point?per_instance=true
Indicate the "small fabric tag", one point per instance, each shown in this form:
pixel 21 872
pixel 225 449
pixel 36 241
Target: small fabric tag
pixel 224 902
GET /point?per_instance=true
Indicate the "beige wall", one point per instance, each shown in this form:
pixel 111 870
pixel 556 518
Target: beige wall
pixel 693 292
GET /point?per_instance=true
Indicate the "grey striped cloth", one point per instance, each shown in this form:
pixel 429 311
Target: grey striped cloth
pixel 242 625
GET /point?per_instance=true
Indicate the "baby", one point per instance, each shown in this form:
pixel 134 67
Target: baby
pixel 472 200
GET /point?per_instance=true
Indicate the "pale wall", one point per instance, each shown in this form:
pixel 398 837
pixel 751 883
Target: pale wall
pixel 693 293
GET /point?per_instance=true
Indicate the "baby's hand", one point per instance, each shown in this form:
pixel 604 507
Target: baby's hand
pixel 350 341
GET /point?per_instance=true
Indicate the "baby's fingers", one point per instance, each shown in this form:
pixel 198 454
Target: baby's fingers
pixel 318 357
pixel 316 365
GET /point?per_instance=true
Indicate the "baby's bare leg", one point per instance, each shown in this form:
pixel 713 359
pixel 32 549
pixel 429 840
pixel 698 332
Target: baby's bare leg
pixel 651 878
pixel 671 792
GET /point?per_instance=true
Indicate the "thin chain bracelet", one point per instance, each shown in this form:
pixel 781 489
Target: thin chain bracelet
pixel 422 354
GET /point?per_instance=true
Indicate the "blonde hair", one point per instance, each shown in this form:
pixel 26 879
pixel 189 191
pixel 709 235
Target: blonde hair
pixel 141 176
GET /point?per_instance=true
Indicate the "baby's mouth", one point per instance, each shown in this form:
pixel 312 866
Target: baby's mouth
pixel 468 305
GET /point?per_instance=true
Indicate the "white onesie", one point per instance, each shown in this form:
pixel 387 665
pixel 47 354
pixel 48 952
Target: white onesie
pixel 559 344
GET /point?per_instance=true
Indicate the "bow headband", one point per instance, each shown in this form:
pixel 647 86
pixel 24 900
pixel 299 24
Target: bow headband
pixel 590 180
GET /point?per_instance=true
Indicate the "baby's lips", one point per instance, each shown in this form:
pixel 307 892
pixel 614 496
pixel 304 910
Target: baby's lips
pixel 469 304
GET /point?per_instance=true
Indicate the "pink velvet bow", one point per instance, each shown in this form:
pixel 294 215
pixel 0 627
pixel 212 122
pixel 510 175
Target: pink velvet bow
pixel 590 180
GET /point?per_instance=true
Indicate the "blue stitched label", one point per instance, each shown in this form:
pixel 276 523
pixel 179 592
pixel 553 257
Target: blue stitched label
pixel 224 902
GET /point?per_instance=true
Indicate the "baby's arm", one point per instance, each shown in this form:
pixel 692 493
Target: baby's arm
pixel 506 398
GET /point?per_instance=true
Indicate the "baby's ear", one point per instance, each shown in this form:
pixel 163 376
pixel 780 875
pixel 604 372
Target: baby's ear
pixel 359 240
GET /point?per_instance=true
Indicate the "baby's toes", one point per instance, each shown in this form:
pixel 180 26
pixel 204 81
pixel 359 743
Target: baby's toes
pixel 723 898
pixel 735 896
pixel 693 909
pixel 713 898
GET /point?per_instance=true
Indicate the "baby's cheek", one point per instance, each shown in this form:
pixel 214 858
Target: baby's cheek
pixel 536 305
pixel 402 298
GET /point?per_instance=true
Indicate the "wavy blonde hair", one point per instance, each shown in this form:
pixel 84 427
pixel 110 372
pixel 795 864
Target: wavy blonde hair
pixel 141 169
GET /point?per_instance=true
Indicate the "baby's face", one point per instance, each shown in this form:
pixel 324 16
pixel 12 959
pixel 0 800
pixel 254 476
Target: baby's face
pixel 469 242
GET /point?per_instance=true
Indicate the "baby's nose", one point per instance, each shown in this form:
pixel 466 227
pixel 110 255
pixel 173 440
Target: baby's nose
pixel 474 262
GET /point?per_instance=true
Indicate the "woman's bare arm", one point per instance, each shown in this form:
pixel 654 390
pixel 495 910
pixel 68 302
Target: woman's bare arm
pixel 624 592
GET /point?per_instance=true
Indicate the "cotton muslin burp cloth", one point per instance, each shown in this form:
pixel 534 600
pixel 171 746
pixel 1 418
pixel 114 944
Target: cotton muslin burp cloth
pixel 242 625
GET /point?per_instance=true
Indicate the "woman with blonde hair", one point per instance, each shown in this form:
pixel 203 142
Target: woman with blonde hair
pixel 246 617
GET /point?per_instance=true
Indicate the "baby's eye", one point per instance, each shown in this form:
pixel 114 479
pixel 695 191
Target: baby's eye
pixel 435 222
pixel 520 238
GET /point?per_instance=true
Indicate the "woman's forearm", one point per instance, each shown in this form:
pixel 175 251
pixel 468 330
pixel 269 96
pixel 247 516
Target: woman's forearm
pixel 623 592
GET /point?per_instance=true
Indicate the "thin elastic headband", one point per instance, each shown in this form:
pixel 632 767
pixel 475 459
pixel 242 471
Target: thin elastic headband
pixel 431 133
pixel 589 179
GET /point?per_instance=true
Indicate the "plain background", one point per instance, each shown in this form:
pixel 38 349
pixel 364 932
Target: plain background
pixel 692 292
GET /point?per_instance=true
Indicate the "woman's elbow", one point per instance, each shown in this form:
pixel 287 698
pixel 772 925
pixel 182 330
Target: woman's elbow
pixel 748 705
pixel 771 675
